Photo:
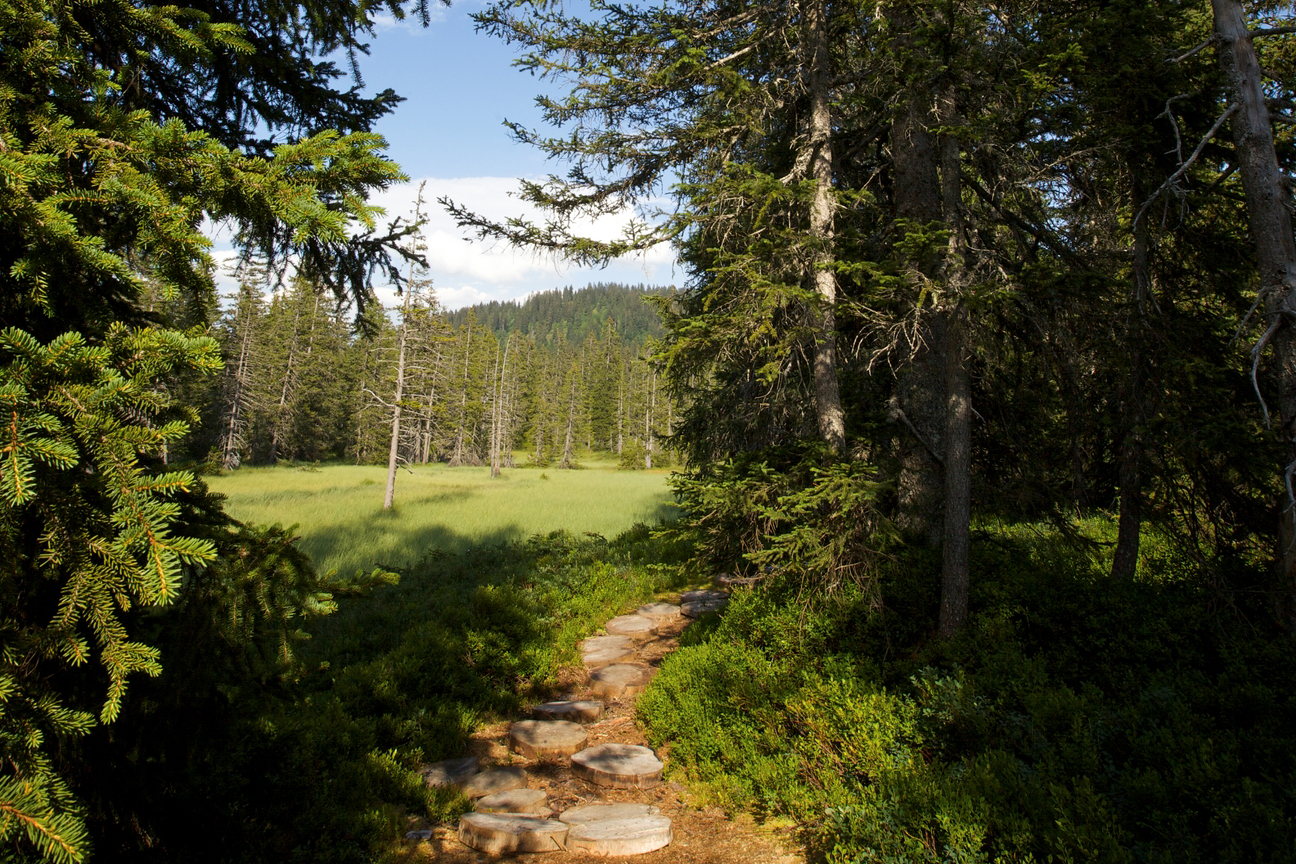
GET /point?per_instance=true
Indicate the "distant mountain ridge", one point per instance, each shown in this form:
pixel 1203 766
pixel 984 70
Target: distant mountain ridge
pixel 572 313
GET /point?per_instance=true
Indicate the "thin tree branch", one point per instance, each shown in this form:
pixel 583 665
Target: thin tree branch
pixel 1185 166
pixel 1191 51
pixel 1273 31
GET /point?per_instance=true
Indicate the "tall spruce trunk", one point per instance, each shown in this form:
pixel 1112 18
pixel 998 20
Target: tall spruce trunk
pixel 956 539
pixel 458 457
pixel 285 391
pixel 233 439
pixel 919 405
pixel 1130 469
pixel 818 142
pixel 1271 231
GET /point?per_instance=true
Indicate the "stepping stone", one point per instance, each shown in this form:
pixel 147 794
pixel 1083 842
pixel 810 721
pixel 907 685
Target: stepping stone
pixel 515 801
pixel 576 710
pixel 604 812
pixel 600 657
pixel 450 772
pixel 494 780
pixel 540 739
pixel 616 837
pixel 621 766
pixel 631 625
pixel 496 834
pixel 623 679
pixel 421 834
pixel 659 610
pixel 698 603
pixel 595 642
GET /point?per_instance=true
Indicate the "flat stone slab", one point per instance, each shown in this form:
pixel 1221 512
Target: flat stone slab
pixel 616 837
pixel 450 772
pixel 631 625
pixel 597 658
pixel 541 739
pixel 528 801
pixel 494 780
pixel 661 611
pixel 623 679
pixel 604 812
pixel 497 834
pixel 697 603
pixel 576 710
pixel 621 766
pixel 595 642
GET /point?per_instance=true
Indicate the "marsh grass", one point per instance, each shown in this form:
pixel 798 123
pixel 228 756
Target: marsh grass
pixel 338 508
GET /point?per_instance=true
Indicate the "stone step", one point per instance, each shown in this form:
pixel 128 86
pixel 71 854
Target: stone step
pixel 595 642
pixel 604 812
pixel 597 658
pixel 618 837
pixel 526 801
pixel 576 710
pixel 620 680
pixel 546 739
pixel 621 766
pixel 660 611
pixel 493 780
pixel 695 604
pixel 450 772
pixel 498 834
pixel 631 625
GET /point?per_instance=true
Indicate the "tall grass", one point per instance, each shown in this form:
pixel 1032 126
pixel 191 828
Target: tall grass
pixel 338 508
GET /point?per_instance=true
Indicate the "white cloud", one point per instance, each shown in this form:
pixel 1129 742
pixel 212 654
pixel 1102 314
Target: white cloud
pixel 466 272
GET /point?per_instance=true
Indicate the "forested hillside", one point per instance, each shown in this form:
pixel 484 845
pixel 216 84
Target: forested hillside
pixel 564 371
pixel 573 314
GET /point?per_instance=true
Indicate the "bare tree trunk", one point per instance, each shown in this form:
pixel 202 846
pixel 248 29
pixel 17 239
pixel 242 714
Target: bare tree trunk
pixel 1271 231
pixel 458 457
pixel 650 405
pixel 393 448
pixel 568 457
pixel 497 421
pixel 818 143
pixel 276 435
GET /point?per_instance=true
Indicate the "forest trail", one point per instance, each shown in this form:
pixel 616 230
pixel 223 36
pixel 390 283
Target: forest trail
pixel 706 836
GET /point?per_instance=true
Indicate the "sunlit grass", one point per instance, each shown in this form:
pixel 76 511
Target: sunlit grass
pixel 338 508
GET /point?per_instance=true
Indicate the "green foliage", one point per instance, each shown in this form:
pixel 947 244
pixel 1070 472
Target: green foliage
pixel 1077 719
pixel 86 529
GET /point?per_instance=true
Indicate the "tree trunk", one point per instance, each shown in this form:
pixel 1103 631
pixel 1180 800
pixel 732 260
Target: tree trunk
pixel 281 422
pixel 1129 472
pixel 393 448
pixel 458 457
pixel 1271 231
pixel 956 545
pixel 818 142
pixel 920 404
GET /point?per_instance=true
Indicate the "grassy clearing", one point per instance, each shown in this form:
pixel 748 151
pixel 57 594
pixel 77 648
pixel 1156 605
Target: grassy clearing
pixel 338 508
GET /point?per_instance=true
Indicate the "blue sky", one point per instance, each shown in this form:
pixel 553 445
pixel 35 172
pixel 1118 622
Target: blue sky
pixel 459 87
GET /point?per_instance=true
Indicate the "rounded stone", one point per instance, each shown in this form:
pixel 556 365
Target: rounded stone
pixel 604 812
pixel 698 608
pixel 704 594
pixel 659 610
pixel 497 834
pixel 631 625
pixel 616 837
pixel 621 766
pixel 623 679
pixel 494 780
pixel 577 710
pixel 450 772
pixel 540 739
pixel 600 657
pixel 594 643
pixel 527 801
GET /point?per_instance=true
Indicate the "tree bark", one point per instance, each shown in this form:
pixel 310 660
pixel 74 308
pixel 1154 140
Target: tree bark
pixel 818 141
pixel 1271 231
pixel 920 396
pixel 1130 470
pixel 394 447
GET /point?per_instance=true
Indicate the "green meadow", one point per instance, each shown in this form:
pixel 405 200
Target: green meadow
pixel 338 508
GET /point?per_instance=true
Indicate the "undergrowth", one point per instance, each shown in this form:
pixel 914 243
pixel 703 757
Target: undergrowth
pixel 323 767
pixel 1075 719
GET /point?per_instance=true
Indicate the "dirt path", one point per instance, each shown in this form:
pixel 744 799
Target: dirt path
pixel 705 836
